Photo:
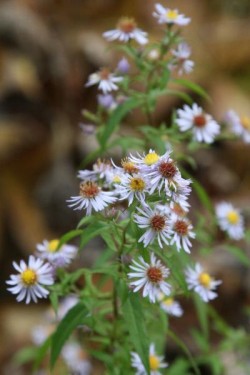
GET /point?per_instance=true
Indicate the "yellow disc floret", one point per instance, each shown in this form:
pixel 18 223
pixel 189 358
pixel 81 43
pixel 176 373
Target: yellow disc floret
pixel 172 14
pixel 137 184
pixel 168 301
pixel 53 246
pixel 205 279
pixel 151 158
pixel 29 277
pixel 245 122
pixel 233 217
pixel 117 179
pixel 154 362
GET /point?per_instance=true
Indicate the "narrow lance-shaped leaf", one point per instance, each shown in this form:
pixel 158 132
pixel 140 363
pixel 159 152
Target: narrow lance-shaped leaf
pixel 118 114
pixel 134 317
pixel 72 319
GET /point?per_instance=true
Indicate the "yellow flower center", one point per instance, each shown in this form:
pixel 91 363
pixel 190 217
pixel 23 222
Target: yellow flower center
pixel 245 122
pixel 233 217
pixel 205 279
pixel 29 277
pixel 116 179
pixel 151 158
pixel 137 184
pixel 154 362
pixel 53 246
pixel 172 14
pixel 168 301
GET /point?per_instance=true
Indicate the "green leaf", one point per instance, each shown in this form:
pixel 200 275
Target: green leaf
pixel 41 352
pixel 72 319
pixel 239 254
pixel 192 86
pixel 185 349
pixel 69 236
pixel 117 115
pixel 134 318
pixel 201 309
pixel 92 231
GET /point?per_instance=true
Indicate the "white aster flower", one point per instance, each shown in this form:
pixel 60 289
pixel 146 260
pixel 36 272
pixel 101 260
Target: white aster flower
pixel 55 255
pixel 230 220
pixel 170 306
pixel 203 126
pixel 133 187
pixel 106 81
pixel 164 174
pixel 170 16
pixel 201 282
pixel 239 125
pixel 155 362
pixel 156 223
pixel 181 59
pixel 149 278
pixel 144 161
pixel 91 197
pixel 126 30
pixel 182 232
pixel 76 359
pixel 29 283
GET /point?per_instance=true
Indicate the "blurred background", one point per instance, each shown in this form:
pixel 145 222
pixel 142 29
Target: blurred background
pixel 47 50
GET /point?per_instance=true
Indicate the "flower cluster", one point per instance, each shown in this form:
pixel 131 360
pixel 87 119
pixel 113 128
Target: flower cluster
pixel 39 272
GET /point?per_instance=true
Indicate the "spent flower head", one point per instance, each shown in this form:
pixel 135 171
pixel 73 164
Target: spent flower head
pixel 91 197
pixel 105 80
pixel 150 277
pixel 156 223
pixel 125 31
pixel 203 126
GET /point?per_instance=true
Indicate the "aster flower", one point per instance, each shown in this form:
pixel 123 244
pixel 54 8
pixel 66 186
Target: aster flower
pixel 239 125
pixel 106 81
pixel 133 187
pixel 203 126
pixel 29 283
pixel 164 174
pixel 91 197
pixel 170 16
pixel 201 282
pixel 76 359
pixel 155 362
pixel 149 277
pixel 230 220
pixel 145 160
pixel 180 193
pixel 182 230
pixel 126 30
pixel 56 256
pixel 181 59
pixel 101 170
pixel 170 306
pixel 156 223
